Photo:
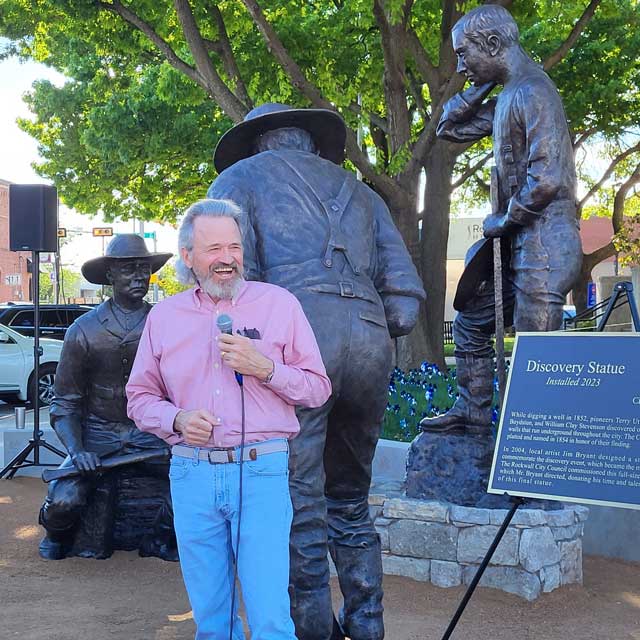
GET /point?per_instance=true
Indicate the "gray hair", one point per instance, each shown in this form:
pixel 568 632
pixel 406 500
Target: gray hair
pixel 489 20
pixel 285 137
pixel 207 208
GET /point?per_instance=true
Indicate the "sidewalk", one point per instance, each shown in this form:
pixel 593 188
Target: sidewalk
pixel 132 598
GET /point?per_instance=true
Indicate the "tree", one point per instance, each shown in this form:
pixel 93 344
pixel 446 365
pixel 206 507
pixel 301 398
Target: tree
pixel 154 84
pixel 168 281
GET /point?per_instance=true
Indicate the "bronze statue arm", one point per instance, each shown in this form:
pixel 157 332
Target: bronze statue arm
pixel 67 407
pixel 466 116
pixel 540 113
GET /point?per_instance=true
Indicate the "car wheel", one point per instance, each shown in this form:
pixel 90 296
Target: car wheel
pixel 46 379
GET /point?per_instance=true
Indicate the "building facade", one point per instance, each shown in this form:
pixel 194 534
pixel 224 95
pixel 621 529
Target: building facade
pixel 15 279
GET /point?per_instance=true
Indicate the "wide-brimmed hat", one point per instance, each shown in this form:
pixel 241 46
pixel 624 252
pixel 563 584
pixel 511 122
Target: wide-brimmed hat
pixel 126 246
pixel 326 128
pixel 478 268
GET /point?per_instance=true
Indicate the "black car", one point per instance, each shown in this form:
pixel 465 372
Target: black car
pixel 55 319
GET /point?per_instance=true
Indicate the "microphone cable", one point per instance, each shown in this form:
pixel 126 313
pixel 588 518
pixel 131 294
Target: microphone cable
pixel 237 553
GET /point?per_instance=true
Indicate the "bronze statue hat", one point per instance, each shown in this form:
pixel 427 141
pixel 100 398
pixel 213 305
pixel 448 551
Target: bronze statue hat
pixel 126 246
pixel 326 128
pixel 478 268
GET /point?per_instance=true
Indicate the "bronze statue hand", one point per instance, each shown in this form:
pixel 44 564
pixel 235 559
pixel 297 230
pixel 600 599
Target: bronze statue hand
pixel 86 462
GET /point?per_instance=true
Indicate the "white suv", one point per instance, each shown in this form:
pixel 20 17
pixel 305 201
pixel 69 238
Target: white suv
pixel 16 366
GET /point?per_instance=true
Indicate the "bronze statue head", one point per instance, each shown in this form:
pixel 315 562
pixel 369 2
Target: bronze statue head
pixel 482 40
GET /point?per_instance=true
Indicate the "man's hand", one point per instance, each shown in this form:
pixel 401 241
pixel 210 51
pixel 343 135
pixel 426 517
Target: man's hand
pixel 195 426
pixel 495 225
pixel 240 354
pixel 86 462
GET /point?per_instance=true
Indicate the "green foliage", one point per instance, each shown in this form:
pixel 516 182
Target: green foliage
pixel 129 135
pixel 70 286
pixel 168 281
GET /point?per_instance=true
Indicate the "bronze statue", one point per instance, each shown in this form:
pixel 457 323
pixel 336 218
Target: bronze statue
pixel 533 197
pixel 311 227
pixel 89 410
pixel 533 193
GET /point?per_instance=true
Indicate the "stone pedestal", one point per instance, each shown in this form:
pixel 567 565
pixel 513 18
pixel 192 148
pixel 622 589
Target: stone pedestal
pixel 452 468
pixel 444 544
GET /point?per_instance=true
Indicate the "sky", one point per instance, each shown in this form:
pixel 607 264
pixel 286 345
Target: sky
pixel 19 151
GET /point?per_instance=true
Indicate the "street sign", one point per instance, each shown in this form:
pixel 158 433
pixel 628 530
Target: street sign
pixel 150 234
pixel 102 231
pixel 153 279
pixel 62 232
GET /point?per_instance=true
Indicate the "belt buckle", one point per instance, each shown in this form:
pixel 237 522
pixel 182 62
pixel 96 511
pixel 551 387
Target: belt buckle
pixel 346 290
pixel 228 451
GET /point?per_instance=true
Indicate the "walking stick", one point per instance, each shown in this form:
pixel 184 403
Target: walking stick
pixel 497 285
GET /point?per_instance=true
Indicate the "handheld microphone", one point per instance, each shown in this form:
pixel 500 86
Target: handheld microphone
pixel 225 325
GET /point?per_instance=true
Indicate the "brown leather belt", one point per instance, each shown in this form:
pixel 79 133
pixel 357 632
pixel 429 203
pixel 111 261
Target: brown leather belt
pixel 224 456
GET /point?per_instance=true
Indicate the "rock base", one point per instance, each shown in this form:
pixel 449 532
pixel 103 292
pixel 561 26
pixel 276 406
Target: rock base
pixel 443 543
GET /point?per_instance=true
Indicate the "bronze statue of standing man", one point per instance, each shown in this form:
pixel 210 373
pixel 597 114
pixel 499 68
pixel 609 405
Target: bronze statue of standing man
pixel 533 192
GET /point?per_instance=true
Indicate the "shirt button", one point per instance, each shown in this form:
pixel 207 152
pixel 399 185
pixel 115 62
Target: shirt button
pixel 217 392
pixel 125 361
pixel 216 366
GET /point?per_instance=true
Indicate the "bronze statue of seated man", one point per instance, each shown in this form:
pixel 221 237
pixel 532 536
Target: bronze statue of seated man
pixel 89 411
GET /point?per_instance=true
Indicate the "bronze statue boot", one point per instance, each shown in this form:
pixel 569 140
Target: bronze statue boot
pixel 471 412
pixel 360 576
pixel 161 542
pixel 56 543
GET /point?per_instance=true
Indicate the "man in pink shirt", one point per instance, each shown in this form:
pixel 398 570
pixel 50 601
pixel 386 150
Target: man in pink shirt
pixel 184 388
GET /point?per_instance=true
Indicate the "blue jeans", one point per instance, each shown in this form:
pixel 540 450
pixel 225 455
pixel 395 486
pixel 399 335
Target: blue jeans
pixel 205 504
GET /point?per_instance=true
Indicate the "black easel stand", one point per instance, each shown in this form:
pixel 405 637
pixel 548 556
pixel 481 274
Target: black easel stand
pixel 621 288
pixel 37 441
pixel 485 563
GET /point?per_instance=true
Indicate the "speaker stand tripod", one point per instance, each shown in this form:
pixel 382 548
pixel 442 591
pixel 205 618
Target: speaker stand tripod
pixel 37 442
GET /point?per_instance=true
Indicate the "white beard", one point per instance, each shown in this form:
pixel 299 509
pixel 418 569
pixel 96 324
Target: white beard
pixel 223 291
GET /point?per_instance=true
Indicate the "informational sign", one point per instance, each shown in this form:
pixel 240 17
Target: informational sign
pixel 13 279
pixel 570 424
pixel 103 231
pixel 149 234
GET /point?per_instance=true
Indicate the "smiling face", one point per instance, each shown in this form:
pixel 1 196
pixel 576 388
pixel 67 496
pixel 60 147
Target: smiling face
pixel 130 279
pixel 216 256
pixel 478 64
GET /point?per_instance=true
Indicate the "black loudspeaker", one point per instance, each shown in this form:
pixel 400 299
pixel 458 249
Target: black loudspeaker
pixel 33 217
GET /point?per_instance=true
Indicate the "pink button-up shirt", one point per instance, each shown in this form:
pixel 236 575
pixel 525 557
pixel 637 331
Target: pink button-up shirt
pixel 178 365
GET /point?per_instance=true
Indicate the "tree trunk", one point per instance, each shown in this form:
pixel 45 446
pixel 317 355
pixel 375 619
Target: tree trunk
pixel 435 234
pixel 579 291
pixel 589 261
pixel 410 350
